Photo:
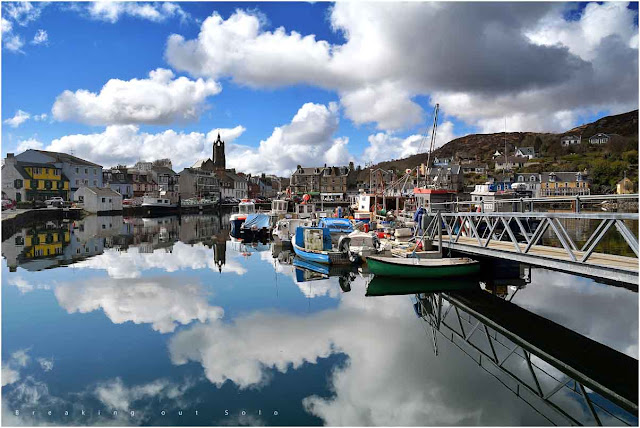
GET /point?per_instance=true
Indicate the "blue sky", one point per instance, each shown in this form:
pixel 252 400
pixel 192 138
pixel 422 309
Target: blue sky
pixel 366 79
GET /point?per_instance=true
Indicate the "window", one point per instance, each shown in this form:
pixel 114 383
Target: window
pixel 521 178
pixel 86 170
pixel 532 178
pixel 77 171
pixel 94 171
pixel 47 184
pixel 34 184
pixel 109 200
pixel 81 199
pixel 104 226
pixel 95 182
pixel 103 200
pixel 17 183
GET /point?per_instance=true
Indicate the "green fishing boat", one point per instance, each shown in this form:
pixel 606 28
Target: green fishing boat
pixel 386 286
pixel 422 268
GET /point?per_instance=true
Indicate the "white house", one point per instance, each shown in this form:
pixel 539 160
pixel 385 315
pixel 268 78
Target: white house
pixel 98 199
pixel 570 140
pixel 599 138
pixel 528 152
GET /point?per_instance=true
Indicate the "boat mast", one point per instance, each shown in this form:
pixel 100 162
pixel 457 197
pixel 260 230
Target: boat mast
pixel 434 130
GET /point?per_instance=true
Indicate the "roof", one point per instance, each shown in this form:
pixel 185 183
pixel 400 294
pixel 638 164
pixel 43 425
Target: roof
pixel 308 170
pixel 163 170
pixel 199 163
pixel 571 137
pixel 474 165
pixel 512 159
pixel 599 135
pixel 527 150
pixel 101 191
pixel 562 176
pixel 234 177
pixel 20 165
pixel 64 157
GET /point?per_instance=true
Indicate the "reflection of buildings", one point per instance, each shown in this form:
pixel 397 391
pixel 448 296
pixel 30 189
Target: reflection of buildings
pixel 53 244
pixel 199 228
pixel 220 249
pixel 59 243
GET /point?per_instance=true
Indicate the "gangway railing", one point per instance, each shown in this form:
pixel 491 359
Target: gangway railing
pixel 519 236
pixel 555 378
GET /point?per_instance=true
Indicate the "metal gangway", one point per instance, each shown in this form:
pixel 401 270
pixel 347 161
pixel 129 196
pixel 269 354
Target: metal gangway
pixel 544 239
pixel 565 377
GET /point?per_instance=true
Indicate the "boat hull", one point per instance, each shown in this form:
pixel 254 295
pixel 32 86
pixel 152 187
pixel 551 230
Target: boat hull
pixel 389 266
pixel 311 256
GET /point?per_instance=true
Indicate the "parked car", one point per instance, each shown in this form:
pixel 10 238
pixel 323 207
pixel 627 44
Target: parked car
pixel 8 204
pixel 55 201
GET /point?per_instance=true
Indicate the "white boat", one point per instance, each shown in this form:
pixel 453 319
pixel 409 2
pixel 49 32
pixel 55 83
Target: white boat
pixel 245 207
pixel 361 245
pixel 286 228
pixel 158 204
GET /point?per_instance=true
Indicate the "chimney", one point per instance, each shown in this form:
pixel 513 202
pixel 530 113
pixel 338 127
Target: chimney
pixel 10 158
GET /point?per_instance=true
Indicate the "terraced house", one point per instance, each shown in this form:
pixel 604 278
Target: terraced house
pixel 29 181
pixel 79 172
pixel 564 184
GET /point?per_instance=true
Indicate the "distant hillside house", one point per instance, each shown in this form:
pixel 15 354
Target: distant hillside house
pixel 599 138
pixel 474 168
pixel 440 161
pixel 512 162
pixel 570 140
pixel 624 187
pixel 449 178
pixel 528 152
pixel 564 184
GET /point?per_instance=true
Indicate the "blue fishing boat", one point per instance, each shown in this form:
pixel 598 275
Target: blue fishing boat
pixel 338 227
pixel 314 244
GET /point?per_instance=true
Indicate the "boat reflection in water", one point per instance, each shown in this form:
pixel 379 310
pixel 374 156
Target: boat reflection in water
pixel 309 271
pixel 567 378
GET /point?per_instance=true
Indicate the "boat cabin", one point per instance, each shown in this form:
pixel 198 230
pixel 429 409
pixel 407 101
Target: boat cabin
pixel 246 207
pixel 279 206
pixel 305 210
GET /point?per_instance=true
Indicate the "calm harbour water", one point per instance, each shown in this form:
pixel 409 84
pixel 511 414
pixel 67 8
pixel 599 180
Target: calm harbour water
pixel 167 317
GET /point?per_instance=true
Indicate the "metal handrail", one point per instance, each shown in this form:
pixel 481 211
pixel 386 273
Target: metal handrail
pixel 549 199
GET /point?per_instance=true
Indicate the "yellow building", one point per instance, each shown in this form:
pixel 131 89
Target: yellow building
pixel 624 187
pixel 28 181
pixel 564 184
pixel 43 243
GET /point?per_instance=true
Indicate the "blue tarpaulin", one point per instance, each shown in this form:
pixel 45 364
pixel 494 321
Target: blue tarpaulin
pixel 260 221
pixel 336 224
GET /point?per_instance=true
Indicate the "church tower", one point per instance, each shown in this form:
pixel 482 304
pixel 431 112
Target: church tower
pixel 219 162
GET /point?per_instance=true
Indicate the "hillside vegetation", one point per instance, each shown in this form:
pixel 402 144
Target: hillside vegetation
pixel 606 163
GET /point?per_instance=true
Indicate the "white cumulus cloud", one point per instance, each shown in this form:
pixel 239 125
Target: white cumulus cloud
pixel 18 119
pixel 160 99
pixel 307 140
pixel 125 144
pixel 522 60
